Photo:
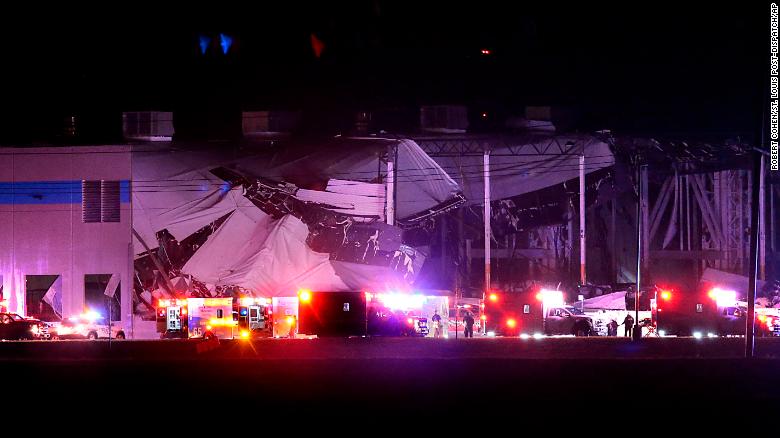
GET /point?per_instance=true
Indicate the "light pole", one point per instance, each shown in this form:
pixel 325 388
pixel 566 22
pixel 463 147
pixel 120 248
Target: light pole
pixel 640 207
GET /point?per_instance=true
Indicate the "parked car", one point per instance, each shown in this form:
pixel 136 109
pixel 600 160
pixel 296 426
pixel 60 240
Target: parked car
pixel 14 326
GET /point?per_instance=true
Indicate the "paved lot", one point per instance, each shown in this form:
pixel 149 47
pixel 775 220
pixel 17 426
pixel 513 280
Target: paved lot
pixel 503 377
pixel 395 348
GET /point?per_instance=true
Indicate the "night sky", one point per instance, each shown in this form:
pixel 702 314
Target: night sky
pixel 640 67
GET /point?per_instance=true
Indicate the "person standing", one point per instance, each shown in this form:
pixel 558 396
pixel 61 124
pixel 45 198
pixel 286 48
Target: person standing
pixel 629 325
pixel 436 320
pixel 468 323
pixel 612 328
pixel 293 327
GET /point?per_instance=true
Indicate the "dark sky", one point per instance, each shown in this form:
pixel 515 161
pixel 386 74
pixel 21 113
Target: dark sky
pixel 640 66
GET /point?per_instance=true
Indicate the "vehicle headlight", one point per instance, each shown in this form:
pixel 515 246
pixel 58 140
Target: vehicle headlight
pixel 35 329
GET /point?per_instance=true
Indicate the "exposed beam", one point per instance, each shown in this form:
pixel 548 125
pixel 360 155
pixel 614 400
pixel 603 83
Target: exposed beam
pixel 507 253
pixel 705 254
pixel 706 209
pixel 660 206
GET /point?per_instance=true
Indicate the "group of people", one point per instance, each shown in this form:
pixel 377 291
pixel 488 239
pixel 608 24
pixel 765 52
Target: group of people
pixel 468 325
pixel 628 330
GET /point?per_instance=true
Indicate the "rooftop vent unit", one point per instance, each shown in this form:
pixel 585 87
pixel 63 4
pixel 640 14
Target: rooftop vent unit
pixel 263 122
pixel 147 125
pixel 445 119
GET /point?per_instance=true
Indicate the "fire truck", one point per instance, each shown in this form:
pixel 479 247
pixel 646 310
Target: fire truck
pixel 323 313
pixel 361 313
pixel 532 313
pixel 223 318
pixel 709 311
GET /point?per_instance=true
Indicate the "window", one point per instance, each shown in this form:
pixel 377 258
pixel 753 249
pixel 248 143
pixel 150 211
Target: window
pixel 699 308
pixel 100 201
pixel 43 297
pixel 103 294
pixel 526 308
pixel 219 313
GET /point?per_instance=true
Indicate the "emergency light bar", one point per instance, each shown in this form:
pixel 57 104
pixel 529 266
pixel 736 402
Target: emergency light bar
pixel 550 298
pixel 723 297
pixel 401 301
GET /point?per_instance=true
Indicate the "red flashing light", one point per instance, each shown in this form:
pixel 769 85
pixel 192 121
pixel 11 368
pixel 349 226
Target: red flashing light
pixel 304 295
pixel 493 297
pixel 511 323
pixel 666 295
pixel 485 51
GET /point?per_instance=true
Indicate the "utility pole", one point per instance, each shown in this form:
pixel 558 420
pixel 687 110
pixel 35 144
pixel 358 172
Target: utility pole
pixel 762 218
pixel 641 209
pixel 583 277
pixel 755 221
pixel 486 215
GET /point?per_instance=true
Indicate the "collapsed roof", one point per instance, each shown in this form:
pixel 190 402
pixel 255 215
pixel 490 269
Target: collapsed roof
pixel 313 214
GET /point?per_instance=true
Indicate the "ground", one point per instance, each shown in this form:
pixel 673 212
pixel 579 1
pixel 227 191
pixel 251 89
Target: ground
pixel 376 377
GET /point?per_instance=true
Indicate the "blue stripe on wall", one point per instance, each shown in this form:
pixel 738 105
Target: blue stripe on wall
pixel 124 190
pixel 50 192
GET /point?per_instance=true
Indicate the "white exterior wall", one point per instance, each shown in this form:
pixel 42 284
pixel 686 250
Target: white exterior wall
pixel 47 238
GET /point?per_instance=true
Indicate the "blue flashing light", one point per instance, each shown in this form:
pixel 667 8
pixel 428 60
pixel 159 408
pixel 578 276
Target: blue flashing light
pixel 225 41
pixel 204 43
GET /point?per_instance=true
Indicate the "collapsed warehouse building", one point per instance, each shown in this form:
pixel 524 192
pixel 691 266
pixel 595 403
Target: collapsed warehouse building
pixel 268 215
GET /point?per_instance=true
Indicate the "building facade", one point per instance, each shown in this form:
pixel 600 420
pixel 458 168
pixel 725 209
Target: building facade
pixel 65 218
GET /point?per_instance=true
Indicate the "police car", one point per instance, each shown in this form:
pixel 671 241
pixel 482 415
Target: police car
pixel 87 326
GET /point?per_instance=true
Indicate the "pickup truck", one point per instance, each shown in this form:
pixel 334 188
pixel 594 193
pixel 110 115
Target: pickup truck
pixel 567 320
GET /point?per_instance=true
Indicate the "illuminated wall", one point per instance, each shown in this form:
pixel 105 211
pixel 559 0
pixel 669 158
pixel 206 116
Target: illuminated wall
pixel 43 231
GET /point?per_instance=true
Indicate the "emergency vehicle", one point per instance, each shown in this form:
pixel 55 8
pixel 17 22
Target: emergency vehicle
pixel 223 318
pixel 457 313
pixel 533 313
pixel 709 311
pixel 324 313
pixel 353 313
pixel 89 325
